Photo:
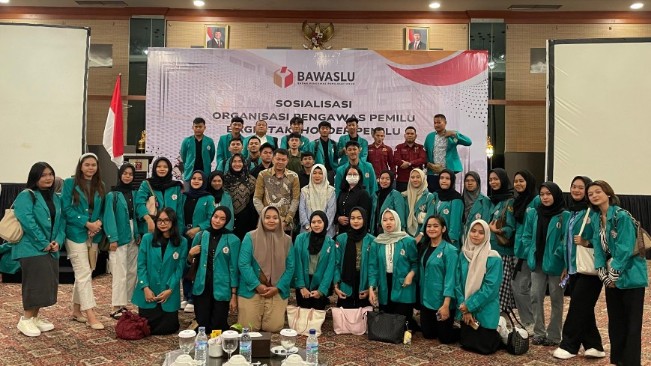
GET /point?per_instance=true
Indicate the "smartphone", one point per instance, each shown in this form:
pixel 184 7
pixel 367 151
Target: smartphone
pixel 564 281
pixel 475 325
pixel 438 316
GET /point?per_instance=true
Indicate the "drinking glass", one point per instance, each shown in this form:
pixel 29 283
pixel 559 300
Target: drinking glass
pixel 287 340
pixel 186 340
pixel 230 339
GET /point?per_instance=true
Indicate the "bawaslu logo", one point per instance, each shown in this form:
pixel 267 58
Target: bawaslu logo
pixel 284 77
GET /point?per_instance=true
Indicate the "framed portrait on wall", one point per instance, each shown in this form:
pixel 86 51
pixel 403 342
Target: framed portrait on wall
pixel 416 38
pixel 216 36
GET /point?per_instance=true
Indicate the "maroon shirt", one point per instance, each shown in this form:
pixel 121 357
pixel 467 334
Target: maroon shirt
pixel 381 158
pixel 414 154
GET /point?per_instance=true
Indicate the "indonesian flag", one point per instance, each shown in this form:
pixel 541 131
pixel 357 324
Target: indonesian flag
pixel 114 130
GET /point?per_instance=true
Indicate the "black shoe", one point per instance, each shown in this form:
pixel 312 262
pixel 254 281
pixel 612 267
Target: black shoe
pixel 538 341
pixel 548 343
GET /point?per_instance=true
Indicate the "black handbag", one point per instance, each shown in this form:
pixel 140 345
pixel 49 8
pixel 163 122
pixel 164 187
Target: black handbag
pixel 384 327
pixel 516 344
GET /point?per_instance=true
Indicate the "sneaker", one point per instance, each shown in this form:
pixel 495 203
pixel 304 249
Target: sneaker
pixel 548 343
pixel 538 340
pixel 529 329
pixel 27 327
pixel 189 308
pixel 595 353
pixel 562 354
pixel 183 304
pixel 42 324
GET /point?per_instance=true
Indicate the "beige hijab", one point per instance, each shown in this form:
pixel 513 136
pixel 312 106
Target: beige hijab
pixel 477 255
pixel 318 194
pixel 271 248
pixel 413 194
pixel 394 236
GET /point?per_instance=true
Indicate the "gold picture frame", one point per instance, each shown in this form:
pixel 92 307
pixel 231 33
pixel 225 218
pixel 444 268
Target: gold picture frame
pixel 216 36
pixel 416 38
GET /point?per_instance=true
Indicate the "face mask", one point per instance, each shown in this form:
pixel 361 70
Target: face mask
pixel 352 179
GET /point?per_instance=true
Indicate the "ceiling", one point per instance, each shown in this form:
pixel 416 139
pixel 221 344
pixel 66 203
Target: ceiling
pixel 354 5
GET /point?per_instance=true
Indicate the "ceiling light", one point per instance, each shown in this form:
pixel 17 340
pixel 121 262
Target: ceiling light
pixel 636 6
pixel 434 5
pixel 199 3
pixel 4 1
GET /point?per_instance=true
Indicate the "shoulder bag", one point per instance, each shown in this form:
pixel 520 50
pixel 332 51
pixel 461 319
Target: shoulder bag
pixel 385 327
pixel 132 326
pixel 518 340
pixel 585 256
pixel 302 320
pixel 500 223
pixel 10 228
pixel 350 321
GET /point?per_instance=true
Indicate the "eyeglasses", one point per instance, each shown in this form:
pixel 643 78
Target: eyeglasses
pixel 164 221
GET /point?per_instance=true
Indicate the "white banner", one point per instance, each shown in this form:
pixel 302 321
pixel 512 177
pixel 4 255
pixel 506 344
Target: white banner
pixel 392 89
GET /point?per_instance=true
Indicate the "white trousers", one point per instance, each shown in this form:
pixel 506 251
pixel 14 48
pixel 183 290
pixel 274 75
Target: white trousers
pixel 82 291
pixel 124 265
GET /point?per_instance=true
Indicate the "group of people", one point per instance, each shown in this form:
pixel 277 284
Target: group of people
pixel 270 220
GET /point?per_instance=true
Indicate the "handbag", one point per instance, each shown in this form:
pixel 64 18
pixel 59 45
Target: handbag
pixel 642 237
pixel 384 327
pixel 500 223
pixel 302 320
pixel 10 228
pixel 585 256
pixel 151 203
pixel 516 343
pixel 350 321
pixel 93 252
pixel 131 326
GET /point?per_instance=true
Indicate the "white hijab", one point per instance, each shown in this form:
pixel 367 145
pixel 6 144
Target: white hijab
pixel 394 236
pixel 413 194
pixel 318 194
pixel 477 255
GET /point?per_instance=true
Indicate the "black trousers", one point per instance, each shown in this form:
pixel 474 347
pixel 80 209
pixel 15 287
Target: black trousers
pixel 482 340
pixel 160 321
pixel 353 301
pixel 432 328
pixel 580 326
pixel 210 313
pixel 625 308
pixel 311 302
pixel 398 307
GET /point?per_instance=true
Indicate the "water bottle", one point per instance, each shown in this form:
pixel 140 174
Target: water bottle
pixel 312 349
pixel 246 345
pixel 201 347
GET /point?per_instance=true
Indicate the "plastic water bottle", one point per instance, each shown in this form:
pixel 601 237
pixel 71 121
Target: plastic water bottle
pixel 201 347
pixel 246 345
pixel 312 349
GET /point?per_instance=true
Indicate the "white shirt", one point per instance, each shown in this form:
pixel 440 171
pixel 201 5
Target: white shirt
pixel 388 254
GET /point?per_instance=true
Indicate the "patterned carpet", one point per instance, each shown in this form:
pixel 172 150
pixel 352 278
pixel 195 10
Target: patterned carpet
pixel 72 343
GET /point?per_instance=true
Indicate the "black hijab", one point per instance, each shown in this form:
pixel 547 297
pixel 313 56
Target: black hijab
pixel 216 234
pixel 450 193
pixel 469 197
pixel 216 193
pixel 505 192
pixel 350 255
pixel 523 199
pixel 199 192
pixel 317 239
pixel 232 177
pixel 584 203
pixel 227 213
pixel 121 186
pixel 383 193
pixel 545 214
pixel 162 183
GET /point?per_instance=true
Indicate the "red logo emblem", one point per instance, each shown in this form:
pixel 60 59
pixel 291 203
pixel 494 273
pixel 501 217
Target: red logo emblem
pixel 283 77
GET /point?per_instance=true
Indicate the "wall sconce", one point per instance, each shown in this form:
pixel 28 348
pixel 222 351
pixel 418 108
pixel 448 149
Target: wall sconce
pixel 489 148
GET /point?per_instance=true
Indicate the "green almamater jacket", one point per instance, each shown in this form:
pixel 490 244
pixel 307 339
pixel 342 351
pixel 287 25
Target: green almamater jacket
pixel 438 277
pixel 38 229
pixel 553 261
pixel 325 268
pixel 77 214
pixel 484 304
pixel 225 271
pixel 404 261
pixel 452 213
pixel 116 223
pixel 171 197
pixel 340 243
pixel 509 228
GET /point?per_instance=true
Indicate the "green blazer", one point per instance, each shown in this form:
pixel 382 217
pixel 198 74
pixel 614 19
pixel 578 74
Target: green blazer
pixel 305 145
pixel 270 140
pixel 320 155
pixel 226 201
pixel 160 273
pixel 225 271
pixel 188 155
pixel 621 234
pixel 422 206
pixel 76 215
pixel 438 277
pixel 341 147
pixel 340 244
pixel 509 228
pixel 553 262
pixel 452 212
pixel 116 221
pixel 518 248
pixel 325 268
pixel 250 271
pixel 38 229
pixel 370 183
pixel 222 148
pixel 452 160
pixel 393 201
pixel 481 209
pixel 484 304
pixel 588 234
pixel 404 260
pixel 202 212
pixel 7 263
pixel 171 197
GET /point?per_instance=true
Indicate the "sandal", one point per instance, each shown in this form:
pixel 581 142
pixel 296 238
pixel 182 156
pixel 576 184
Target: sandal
pixel 79 318
pixel 118 313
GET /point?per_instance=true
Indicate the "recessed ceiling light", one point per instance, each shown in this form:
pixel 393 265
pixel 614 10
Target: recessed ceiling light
pixel 434 5
pixel 199 3
pixel 4 1
pixel 636 6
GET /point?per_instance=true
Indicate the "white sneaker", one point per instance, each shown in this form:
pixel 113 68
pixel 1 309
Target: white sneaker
pixel 27 327
pixel 183 304
pixel 529 329
pixel 189 308
pixel 562 354
pixel 42 324
pixel 592 352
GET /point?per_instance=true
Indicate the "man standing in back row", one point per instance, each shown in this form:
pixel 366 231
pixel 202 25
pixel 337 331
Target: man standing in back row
pixel 441 149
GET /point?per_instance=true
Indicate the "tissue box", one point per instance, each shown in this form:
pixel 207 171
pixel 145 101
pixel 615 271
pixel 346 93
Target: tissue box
pixel 261 346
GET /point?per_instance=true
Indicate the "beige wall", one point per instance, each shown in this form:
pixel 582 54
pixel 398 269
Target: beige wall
pixel 525 124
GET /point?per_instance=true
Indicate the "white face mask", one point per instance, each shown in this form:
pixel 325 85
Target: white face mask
pixel 352 179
